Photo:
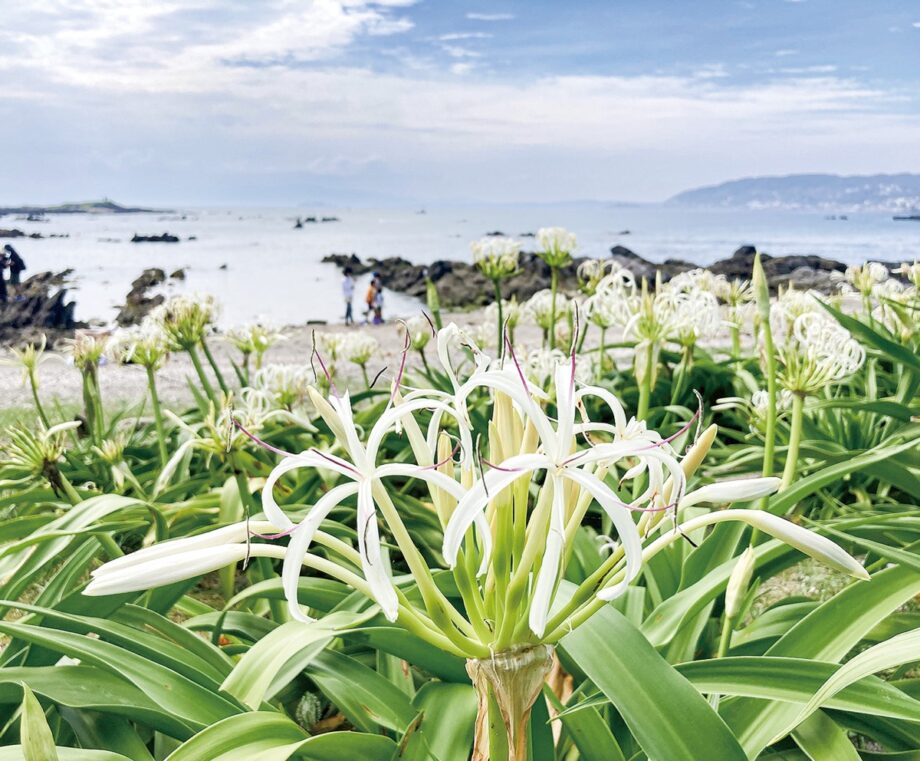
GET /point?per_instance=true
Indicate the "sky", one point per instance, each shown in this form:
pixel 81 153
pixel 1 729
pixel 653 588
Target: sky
pixel 352 102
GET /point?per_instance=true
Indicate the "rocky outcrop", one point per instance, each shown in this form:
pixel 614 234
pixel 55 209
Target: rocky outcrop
pixel 461 285
pixel 39 305
pixel 138 302
pixel 164 238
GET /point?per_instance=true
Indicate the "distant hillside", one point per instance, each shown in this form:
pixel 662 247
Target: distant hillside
pixel 105 206
pixel 819 192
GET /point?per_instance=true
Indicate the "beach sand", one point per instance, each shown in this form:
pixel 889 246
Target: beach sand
pixel 122 385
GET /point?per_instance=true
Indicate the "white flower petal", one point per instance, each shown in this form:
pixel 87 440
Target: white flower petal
pixel 166 570
pixel 300 543
pixel 371 556
pixel 622 522
pixel 739 490
pixel 549 568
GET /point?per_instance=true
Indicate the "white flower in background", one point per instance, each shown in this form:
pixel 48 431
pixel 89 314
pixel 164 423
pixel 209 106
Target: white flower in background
pixel 539 365
pixel 285 385
pixel 757 407
pixel 694 314
pixel 556 245
pixel 911 271
pixel 485 334
pixel 359 348
pixel 818 352
pixel 788 306
pixel 897 312
pixel 865 278
pixel 87 349
pixel 496 256
pixel 540 308
pixel 144 345
pixel 185 318
pixel 255 338
pixel 594 274
pixel 330 345
pixel 419 331
pixel 697 280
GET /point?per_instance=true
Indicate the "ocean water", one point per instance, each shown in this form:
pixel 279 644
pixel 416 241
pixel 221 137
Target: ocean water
pixel 275 271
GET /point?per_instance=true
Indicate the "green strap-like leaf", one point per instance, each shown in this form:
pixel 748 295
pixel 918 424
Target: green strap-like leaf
pixel 823 740
pixel 666 714
pixel 266 736
pixel 34 732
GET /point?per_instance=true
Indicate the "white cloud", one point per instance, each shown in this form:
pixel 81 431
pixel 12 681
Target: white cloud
pixel 490 16
pixel 916 25
pixel 784 52
pixel 465 36
pixel 457 51
pixel 462 68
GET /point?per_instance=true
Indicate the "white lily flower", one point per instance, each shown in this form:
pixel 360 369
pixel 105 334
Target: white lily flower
pixel 365 477
pixel 561 466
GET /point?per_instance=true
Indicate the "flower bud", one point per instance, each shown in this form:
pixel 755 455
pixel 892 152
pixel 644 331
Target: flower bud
pixel 738 584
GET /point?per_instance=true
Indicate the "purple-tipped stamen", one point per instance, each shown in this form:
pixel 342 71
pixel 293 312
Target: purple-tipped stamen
pixel 315 353
pixel 336 461
pixel 255 439
pixel 270 537
pixel 493 466
pixel 402 364
pixel 377 376
pixel 434 330
pixel 517 365
pixel 436 465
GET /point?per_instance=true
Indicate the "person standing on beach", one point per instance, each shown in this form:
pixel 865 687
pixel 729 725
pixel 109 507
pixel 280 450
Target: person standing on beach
pixel 4 262
pixel 378 301
pixel 16 264
pixel 369 298
pixel 348 293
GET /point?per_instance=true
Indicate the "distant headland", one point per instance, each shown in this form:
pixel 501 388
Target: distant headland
pixel 105 206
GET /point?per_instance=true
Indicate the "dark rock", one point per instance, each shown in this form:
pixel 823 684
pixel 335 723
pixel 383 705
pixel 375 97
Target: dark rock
pixel 329 219
pixel 495 234
pixel 16 233
pixel 138 302
pixel 178 275
pixel 192 237
pixel 347 260
pixel 223 267
pixel 38 306
pixel 164 238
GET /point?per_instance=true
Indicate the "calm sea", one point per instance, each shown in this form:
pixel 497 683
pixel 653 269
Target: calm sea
pixel 274 270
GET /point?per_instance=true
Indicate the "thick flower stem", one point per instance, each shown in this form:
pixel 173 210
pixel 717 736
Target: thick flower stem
pixel 196 363
pixel 157 415
pixel 645 385
pixel 497 284
pixel 33 384
pixel 554 287
pixel 603 354
pixel 213 363
pixel 795 438
pixel 514 679
pixel 736 341
pixel 725 641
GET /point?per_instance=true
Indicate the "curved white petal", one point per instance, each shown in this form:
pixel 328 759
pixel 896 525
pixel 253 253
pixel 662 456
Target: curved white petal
pixel 231 534
pixel 300 543
pixel 371 556
pixel 739 490
pixel 549 568
pixel 391 417
pixel 616 407
pixel 166 570
pixel 303 460
pixel 622 522
pixel 475 501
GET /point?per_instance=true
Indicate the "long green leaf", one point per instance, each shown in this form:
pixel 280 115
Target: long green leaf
pixel 668 716
pixel 34 732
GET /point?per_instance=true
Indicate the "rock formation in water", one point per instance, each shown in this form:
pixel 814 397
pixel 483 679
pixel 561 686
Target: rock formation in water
pixel 39 305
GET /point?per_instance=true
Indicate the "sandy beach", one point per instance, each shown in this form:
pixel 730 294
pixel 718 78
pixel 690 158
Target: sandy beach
pixel 124 385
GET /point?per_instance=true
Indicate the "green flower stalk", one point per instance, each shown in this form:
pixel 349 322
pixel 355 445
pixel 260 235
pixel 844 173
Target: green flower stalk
pixel 29 358
pixel 496 257
pixel 768 359
pixel 433 300
pixel 147 347
pixel 359 349
pixel 88 350
pixel 556 247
